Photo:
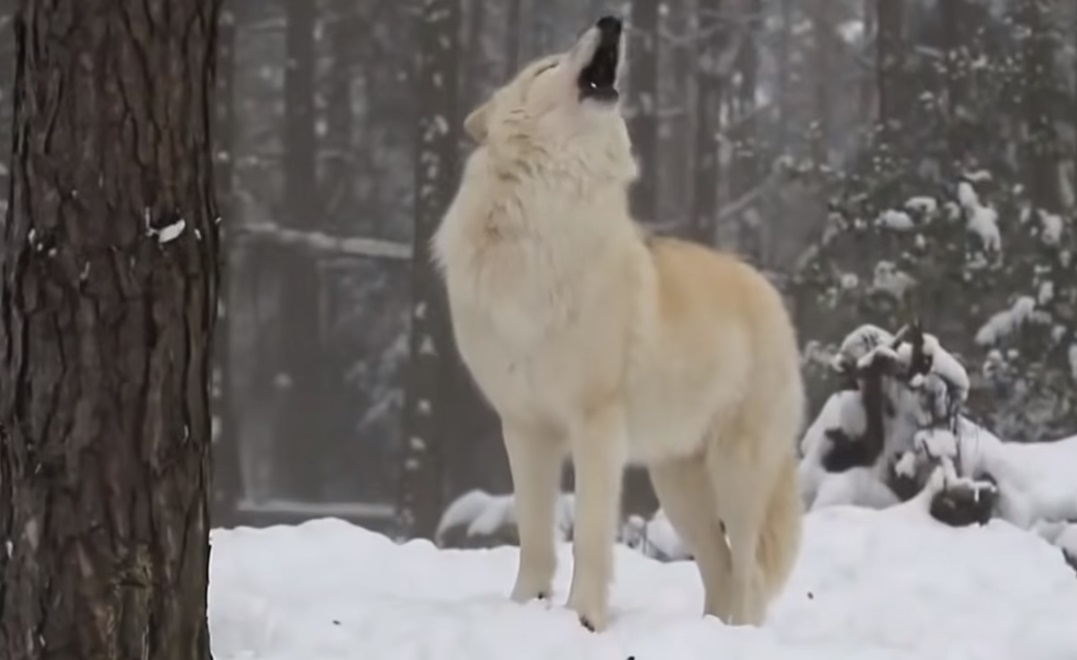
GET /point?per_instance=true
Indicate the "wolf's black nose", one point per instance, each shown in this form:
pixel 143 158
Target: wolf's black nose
pixel 609 25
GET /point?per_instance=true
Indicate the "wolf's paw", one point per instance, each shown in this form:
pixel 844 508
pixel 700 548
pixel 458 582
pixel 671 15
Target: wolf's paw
pixel 523 592
pixel 586 623
pixel 594 618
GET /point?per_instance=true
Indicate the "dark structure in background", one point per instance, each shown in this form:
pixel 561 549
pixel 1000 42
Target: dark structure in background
pixel 108 282
pixel 767 122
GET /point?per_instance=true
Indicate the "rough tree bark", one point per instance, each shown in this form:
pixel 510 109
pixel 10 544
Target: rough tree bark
pixel 7 79
pixel 643 92
pixel 430 344
pixel 108 277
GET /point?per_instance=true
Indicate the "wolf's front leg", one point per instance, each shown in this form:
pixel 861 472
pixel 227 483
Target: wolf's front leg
pixel 598 454
pixel 535 462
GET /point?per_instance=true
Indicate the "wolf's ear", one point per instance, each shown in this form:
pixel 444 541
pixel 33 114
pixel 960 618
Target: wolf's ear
pixel 475 123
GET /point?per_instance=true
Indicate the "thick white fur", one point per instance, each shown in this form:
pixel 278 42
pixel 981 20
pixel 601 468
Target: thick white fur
pixel 594 341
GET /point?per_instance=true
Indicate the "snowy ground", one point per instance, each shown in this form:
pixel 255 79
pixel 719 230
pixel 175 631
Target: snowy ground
pixel 869 585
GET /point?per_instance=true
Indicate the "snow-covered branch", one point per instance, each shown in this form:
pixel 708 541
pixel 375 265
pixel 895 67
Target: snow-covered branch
pixel 370 248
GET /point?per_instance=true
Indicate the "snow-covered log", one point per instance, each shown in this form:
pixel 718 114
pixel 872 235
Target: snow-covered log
pixel 925 451
pixel 480 519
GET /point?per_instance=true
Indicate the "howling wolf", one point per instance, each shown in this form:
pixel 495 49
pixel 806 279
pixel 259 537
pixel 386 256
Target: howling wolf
pixel 593 340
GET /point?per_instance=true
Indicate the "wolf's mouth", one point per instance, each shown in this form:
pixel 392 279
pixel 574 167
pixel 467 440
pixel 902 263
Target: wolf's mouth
pixel 599 78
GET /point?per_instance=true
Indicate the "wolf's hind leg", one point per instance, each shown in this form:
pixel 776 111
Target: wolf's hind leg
pixel 741 496
pixel 684 491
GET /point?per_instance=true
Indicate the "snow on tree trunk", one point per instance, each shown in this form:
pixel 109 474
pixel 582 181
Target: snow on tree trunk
pixel 643 95
pixel 430 344
pixel 108 277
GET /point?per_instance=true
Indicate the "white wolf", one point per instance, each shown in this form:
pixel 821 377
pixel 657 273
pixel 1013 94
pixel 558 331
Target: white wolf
pixel 595 341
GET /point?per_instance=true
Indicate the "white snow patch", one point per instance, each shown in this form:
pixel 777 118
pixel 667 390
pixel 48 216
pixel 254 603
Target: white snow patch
pixel 1052 228
pixel 982 219
pixel 1003 324
pixel 851 31
pixel 484 514
pixel 895 220
pixel 922 204
pixel 655 537
pixel 1035 480
pixel 978 176
pixel 868 585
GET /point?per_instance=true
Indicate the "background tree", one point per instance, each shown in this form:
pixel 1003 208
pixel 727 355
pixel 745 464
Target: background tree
pixel 108 283
pixel 430 343
pixel 643 105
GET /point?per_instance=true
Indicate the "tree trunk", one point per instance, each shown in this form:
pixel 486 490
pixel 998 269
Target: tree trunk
pixel 643 91
pixel 957 48
pixel 108 277
pixel 337 182
pixel 1042 144
pixel 784 64
pixel 823 31
pixel 867 86
pixel 473 76
pixel 302 434
pixel 745 172
pixel 708 108
pixel 430 342
pixel 889 66
pixel 512 38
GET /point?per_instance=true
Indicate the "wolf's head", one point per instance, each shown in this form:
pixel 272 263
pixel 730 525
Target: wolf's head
pixel 563 105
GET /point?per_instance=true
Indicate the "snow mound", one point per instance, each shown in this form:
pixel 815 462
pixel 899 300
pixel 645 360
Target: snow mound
pixel 899 437
pixel 869 585
pixel 482 514
pixel 982 219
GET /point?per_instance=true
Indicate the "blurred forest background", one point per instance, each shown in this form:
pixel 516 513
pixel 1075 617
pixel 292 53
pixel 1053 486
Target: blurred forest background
pixel 882 160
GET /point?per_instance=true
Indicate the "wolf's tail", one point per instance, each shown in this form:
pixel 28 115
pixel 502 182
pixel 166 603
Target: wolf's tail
pixel 780 538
